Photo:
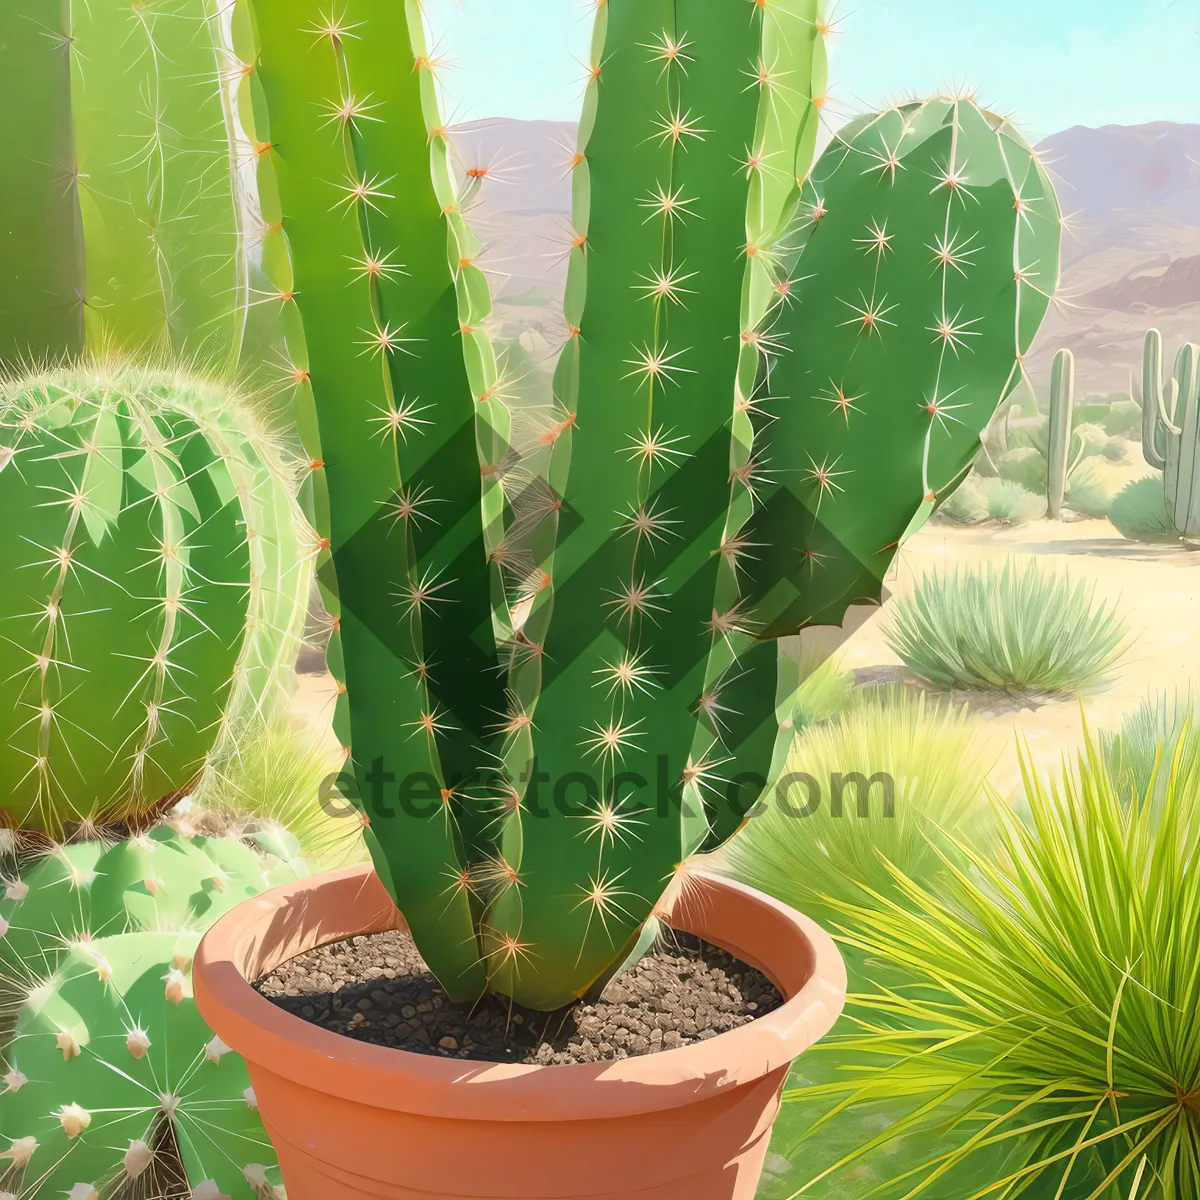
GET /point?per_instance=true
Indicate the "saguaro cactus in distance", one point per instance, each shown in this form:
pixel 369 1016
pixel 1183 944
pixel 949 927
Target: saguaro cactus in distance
pixel 1058 443
pixel 536 774
pixel 1171 429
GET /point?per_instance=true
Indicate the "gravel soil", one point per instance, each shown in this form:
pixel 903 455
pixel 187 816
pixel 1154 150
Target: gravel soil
pixel 377 989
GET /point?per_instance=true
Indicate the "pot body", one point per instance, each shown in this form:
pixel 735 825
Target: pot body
pixel 350 1120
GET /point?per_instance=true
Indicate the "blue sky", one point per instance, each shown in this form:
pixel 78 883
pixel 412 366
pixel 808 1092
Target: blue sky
pixel 1053 63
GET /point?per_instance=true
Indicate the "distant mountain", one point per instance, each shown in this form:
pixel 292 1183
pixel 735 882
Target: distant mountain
pixel 1131 257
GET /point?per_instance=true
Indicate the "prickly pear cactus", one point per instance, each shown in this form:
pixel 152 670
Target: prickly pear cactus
pixel 917 266
pixel 155 567
pixel 111 1073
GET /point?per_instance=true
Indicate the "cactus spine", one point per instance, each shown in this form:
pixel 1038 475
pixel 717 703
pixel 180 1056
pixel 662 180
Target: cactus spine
pixel 110 1059
pixel 157 564
pixel 1171 430
pixel 1062 406
pixel 642 561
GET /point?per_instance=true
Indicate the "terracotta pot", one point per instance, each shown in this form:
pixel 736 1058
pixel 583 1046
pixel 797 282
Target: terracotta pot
pixel 351 1120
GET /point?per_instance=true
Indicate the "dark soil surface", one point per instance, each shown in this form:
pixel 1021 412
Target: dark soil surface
pixel 378 989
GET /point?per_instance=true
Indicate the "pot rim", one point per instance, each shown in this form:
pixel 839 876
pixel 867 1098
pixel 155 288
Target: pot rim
pixel 795 953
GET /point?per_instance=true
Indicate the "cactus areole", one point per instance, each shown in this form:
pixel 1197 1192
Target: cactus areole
pixel 558 644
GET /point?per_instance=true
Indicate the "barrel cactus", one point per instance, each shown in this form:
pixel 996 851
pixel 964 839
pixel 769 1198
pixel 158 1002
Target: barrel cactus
pixel 156 571
pixel 1171 430
pixel 111 1075
pixel 560 644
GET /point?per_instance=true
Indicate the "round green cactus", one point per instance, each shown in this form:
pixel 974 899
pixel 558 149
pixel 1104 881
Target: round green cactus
pixel 111 1065
pixel 155 559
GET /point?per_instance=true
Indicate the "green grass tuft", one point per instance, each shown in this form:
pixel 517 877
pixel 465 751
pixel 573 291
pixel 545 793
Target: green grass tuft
pixel 1139 512
pixel 929 750
pixel 276 774
pixel 1089 494
pixel 1018 629
pixel 1140 754
pixel 1011 504
pixel 1045 1041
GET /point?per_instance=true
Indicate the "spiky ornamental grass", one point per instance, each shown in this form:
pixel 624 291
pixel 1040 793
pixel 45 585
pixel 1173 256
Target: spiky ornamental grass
pixel 157 572
pixel 894 775
pixel 1046 1039
pixel 672 536
pixel 1018 628
pixel 112 1084
pixel 1160 732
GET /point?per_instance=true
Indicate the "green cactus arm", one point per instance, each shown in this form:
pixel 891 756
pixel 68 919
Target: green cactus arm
pixel 687 133
pixel 1182 458
pixel 1157 406
pixel 390 294
pixel 897 358
pixel 41 249
pixel 1062 404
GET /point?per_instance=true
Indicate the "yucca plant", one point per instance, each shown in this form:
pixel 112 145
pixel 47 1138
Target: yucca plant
pixel 611 617
pixel 1046 1041
pixel 1017 628
pixel 875 788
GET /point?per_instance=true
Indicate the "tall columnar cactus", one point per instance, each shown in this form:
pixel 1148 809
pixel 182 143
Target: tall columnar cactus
pixel 1171 430
pixel 111 1070
pixel 118 217
pixel 156 565
pixel 1058 445
pixel 766 376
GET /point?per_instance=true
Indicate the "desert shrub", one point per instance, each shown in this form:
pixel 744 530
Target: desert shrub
pixel 1088 440
pixel 1124 417
pixel 1089 493
pixel 1012 504
pixel 922 754
pixel 1116 450
pixel 1036 1035
pixel 968 505
pixel 826 693
pixel 1139 512
pixel 1018 629
pixel 1025 466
